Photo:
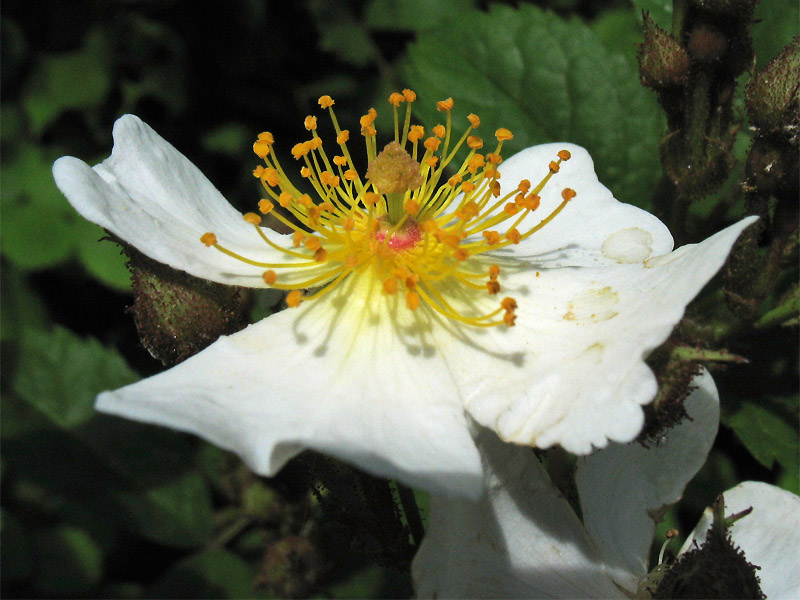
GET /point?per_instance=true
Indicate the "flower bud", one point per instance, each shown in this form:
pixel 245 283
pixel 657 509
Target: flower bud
pixel 663 62
pixel 773 95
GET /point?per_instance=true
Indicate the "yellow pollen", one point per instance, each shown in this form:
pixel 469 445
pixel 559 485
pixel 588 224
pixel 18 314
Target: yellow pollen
pixel 423 218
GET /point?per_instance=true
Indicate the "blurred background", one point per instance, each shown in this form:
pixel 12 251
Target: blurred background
pixel 97 507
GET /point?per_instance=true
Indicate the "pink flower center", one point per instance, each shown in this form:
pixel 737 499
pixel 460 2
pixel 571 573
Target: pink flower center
pixel 403 239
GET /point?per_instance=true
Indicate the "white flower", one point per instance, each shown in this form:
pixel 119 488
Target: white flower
pixel 523 539
pixel 403 337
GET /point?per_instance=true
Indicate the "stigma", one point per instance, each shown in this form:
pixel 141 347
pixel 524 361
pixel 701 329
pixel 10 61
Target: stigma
pixel 422 221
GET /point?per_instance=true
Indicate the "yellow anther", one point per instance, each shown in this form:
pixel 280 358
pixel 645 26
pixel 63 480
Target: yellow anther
pixel 467 187
pixel 371 198
pixel 340 161
pixel 325 101
pixel 310 123
pixel 444 105
pixel 269 277
pixel 351 175
pixel 415 133
pixel 315 143
pixel 265 206
pixel 390 286
pixel 554 168
pixel 261 149
pixel 343 136
pixel 326 207
pixel 513 235
pixel 320 255
pixel 474 120
pixel 439 130
pixel 369 131
pixel 305 172
pixel 285 199
pixel 369 118
pixel 475 163
pixel 432 144
pixel 258 171
pixel 252 218
pixel 409 95
pixel 474 142
pixel 412 300
pixel 305 200
pixel 329 179
pixel 492 237
pixel 294 298
pixel 396 99
pixel 209 239
pixel 300 150
pixel 266 137
pixel 297 238
pixel 564 154
pixel 568 194
pixel 503 134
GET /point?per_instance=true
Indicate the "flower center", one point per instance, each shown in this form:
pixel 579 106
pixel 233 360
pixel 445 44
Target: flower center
pixel 406 222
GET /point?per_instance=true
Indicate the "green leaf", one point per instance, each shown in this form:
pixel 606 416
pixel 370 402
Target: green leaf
pixel 210 574
pixel 414 15
pixel 69 80
pixel 22 307
pixel 619 31
pixel 17 564
pixel 341 33
pixel 547 80
pixel 660 11
pixel 60 374
pixel 103 258
pixel 69 562
pixel 775 25
pixel 768 436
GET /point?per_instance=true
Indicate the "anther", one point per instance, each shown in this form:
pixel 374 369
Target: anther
pixel 294 298
pixel 409 95
pixel 252 218
pixel 568 194
pixel 269 277
pixel 396 99
pixel 564 154
pixel 554 168
pixel 474 120
pixel 209 239
pixel 265 206
pixel 412 300
pixel 325 101
pixel 444 105
pixel 503 134
pixel 310 123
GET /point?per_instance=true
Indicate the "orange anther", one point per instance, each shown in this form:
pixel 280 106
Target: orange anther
pixel 266 137
pixel 415 133
pixel 325 101
pixel 492 237
pixel 265 206
pixel 444 104
pixel 524 186
pixel 312 243
pixel 252 218
pixel 411 207
pixel 461 254
pixel 310 123
pixel 431 161
pixel 320 255
pixel 371 198
pixel 396 98
pixel 474 120
pixel 369 118
pixel 300 150
pixel 257 172
pixel 513 235
pixel 494 272
pixel 340 161
pixel 349 224
pixel 209 239
pixel 412 300
pixel 409 95
pixel 439 130
pixel 351 261
pixel 568 194
pixel 271 177
pixel 493 286
pixel 494 158
pixel 390 286
pixel 530 202
pixel 261 149
pixel 509 304
pixel 343 136
pixel 369 131
pixel 564 154
pixel 269 277
pixel 454 180
pixel 297 238
pixel 554 168
pixel 503 134
pixel 467 187
pixel 468 211
pixel 432 144
pixel 305 200
pixel 474 142
pixel 305 172
pixel 285 199
pixel 294 298
pixel 351 175
pixel 315 143
pixel 511 208
pixel 509 319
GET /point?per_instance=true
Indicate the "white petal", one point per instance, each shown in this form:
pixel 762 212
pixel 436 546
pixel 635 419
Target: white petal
pixel 521 540
pixel 592 220
pixel 576 374
pixel 151 196
pixel 624 489
pixel 769 536
pixel 340 374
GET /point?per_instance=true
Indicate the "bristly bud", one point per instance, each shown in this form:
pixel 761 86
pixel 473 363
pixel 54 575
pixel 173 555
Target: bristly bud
pixel 773 95
pixel 291 569
pixel 663 62
pixel 717 569
pixel 177 315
